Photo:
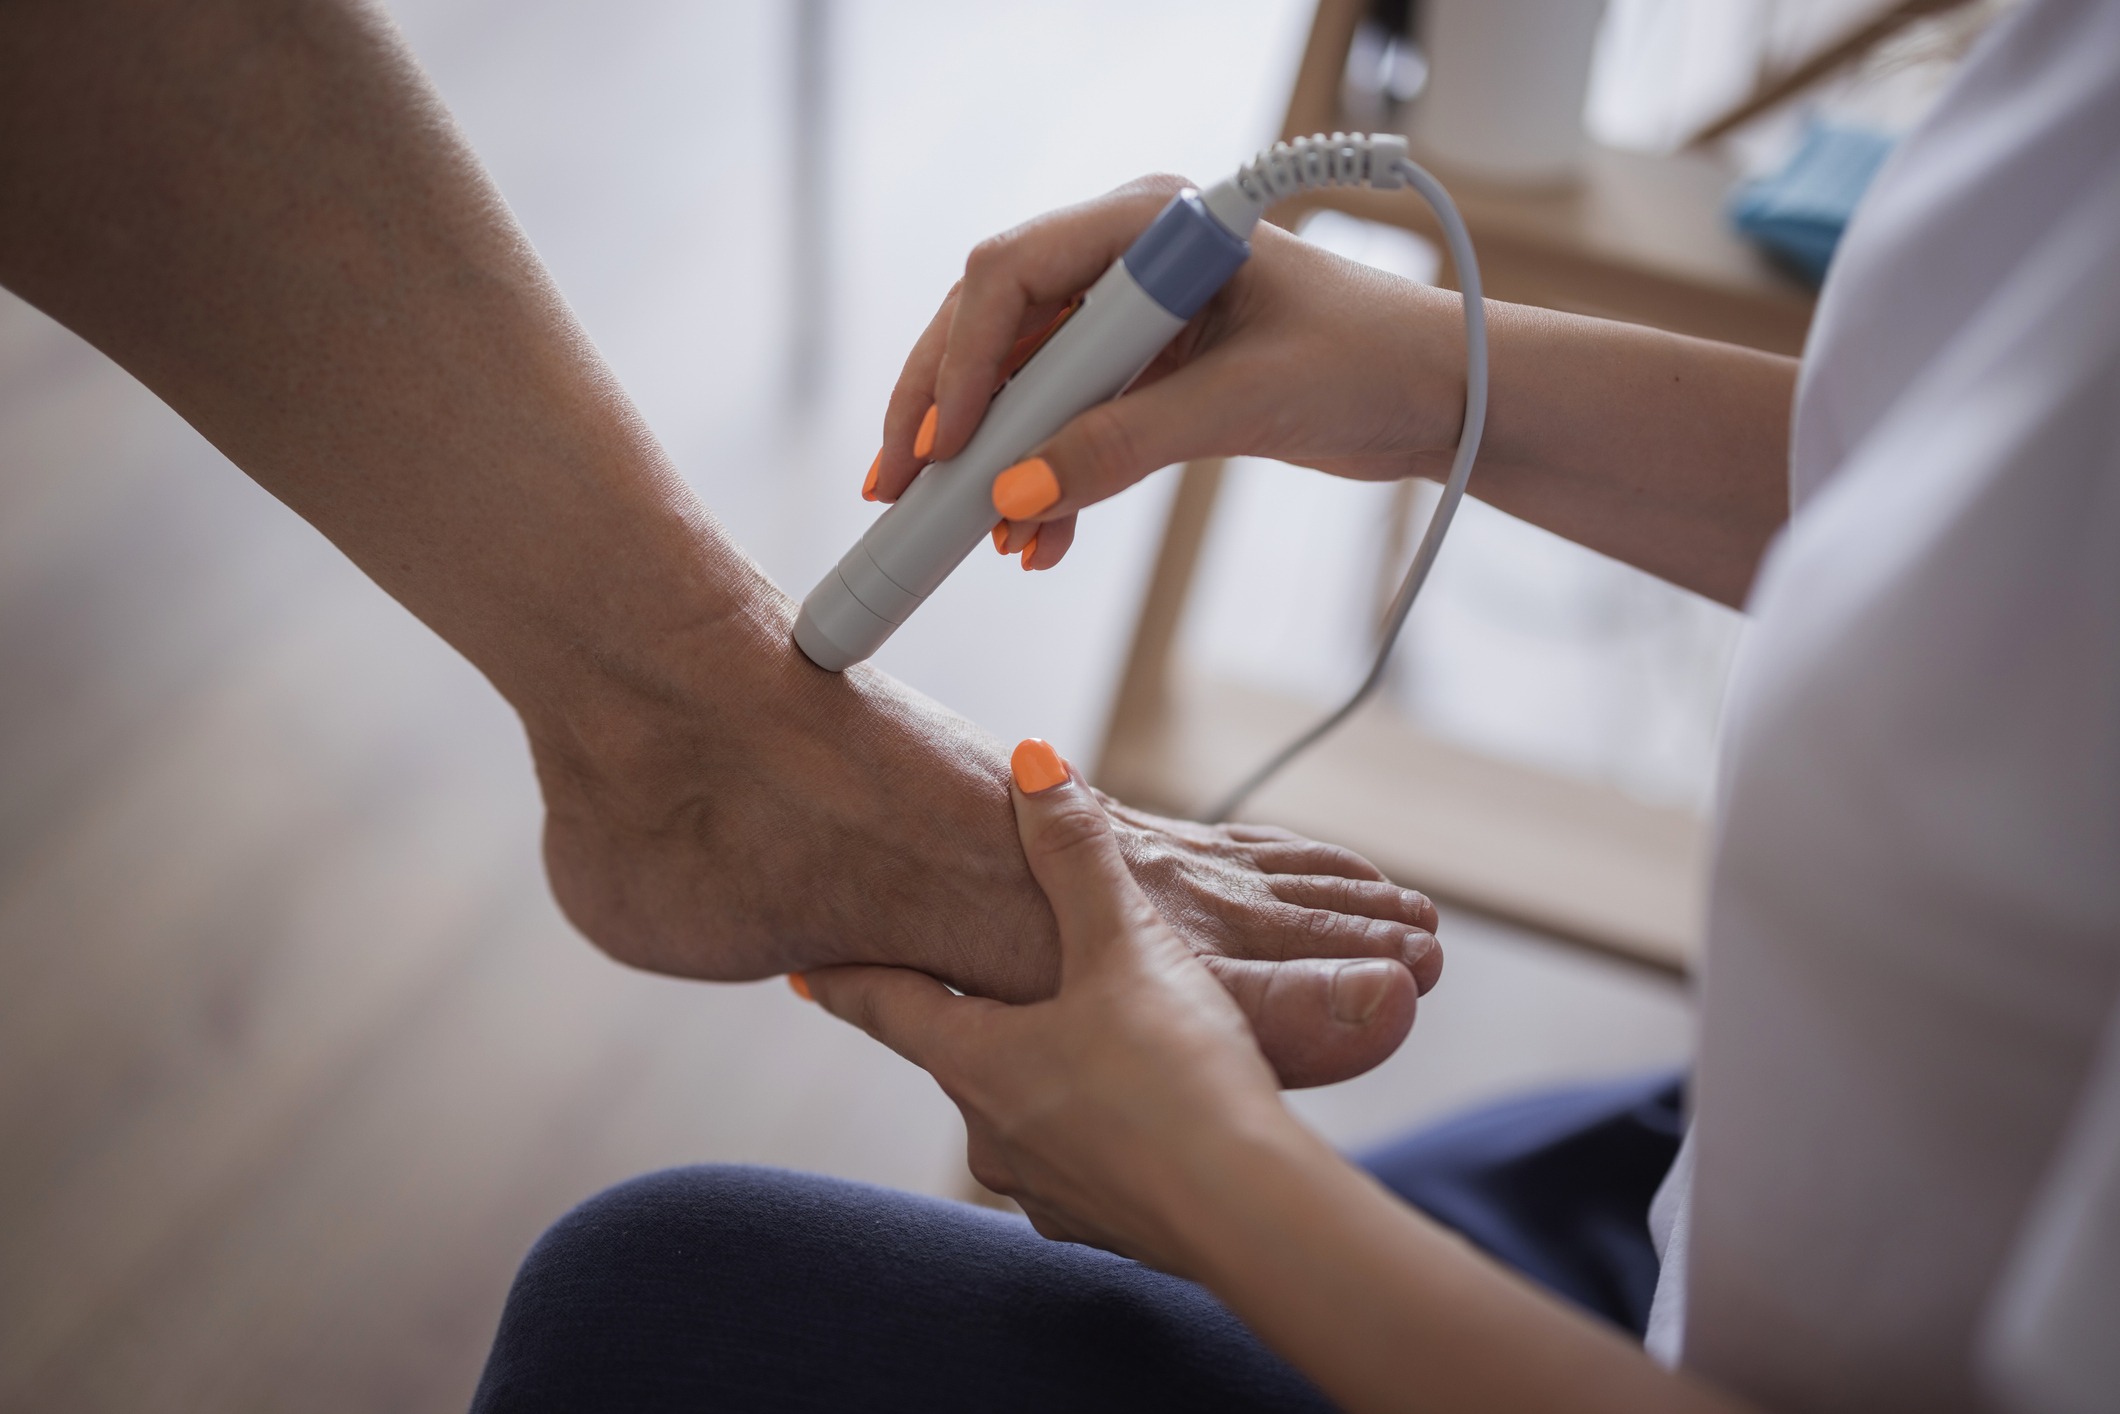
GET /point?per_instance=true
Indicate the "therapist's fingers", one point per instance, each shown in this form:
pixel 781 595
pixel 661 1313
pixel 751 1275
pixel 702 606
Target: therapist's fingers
pixel 911 399
pixel 910 419
pixel 1048 259
pixel 1017 288
pixel 1051 539
pixel 1331 1017
pixel 909 1011
pixel 1050 543
pixel 1188 414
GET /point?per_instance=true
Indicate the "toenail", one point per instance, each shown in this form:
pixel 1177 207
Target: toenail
pixel 1359 988
pixel 1424 958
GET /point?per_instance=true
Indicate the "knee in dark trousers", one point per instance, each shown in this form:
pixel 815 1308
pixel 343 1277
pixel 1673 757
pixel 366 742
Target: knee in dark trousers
pixel 747 1288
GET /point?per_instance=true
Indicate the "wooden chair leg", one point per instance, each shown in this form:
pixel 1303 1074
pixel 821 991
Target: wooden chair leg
pixel 1141 698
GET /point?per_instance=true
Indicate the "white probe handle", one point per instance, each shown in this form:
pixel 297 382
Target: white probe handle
pixel 949 508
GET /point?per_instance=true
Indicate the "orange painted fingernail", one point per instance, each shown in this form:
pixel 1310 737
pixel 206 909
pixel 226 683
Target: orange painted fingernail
pixel 1001 537
pixel 924 439
pixel 1030 550
pixel 868 487
pixel 1026 488
pixel 800 986
pixel 1036 766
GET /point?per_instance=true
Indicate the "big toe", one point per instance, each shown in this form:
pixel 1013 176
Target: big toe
pixel 1321 1020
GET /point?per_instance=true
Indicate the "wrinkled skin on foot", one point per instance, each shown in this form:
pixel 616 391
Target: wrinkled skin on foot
pixel 816 819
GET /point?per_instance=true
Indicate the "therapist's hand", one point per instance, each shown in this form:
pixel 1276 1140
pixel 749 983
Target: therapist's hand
pixel 1093 1109
pixel 1304 357
pixel 1133 1111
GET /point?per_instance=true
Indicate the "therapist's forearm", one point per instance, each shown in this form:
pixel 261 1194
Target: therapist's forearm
pixel 1387 1311
pixel 1666 452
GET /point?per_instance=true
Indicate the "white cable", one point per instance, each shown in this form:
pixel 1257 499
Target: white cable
pixel 1459 244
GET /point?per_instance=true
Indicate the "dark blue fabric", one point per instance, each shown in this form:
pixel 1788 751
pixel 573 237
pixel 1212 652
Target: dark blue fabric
pixel 750 1289
pixel 1555 1184
pixel 725 1288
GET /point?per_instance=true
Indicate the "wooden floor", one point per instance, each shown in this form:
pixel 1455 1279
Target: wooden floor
pixel 296 1056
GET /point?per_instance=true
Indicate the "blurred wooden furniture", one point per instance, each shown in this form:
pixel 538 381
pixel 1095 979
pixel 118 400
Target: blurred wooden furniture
pixel 1851 48
pixel 1641 238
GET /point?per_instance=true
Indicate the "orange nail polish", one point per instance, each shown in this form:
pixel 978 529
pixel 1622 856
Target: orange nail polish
pixel 924 439
pixel 1025 489
pixel 800 986
pixel 868 487
pixel 1001 537
pixel 1036 766
pixel 1030 550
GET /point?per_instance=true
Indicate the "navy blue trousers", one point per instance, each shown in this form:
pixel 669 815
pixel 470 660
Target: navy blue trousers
pixel 730 1288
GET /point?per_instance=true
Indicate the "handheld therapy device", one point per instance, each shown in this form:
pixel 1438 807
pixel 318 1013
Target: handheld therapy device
pixel 1125 319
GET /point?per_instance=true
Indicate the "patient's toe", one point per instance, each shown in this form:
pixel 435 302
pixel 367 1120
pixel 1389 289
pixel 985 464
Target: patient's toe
pixel 1296 855
pixel 1321 1020
pixel 1368 898
pixel 1329 933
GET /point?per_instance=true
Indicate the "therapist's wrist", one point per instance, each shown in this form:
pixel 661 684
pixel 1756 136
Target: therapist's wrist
pixel 1228 1181
pixel 1363 373
pixel 1431 364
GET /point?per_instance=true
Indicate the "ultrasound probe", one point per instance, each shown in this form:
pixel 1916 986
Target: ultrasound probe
pixel 1125 319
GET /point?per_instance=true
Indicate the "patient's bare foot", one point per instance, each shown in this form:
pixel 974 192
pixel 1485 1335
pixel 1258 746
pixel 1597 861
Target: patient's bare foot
pixel 768 817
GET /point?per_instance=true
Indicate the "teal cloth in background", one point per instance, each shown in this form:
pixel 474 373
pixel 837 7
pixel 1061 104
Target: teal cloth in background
pixel 1798 213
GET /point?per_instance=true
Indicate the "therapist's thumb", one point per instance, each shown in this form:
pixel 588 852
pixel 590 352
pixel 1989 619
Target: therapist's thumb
pixel 1109 447
pixel 911 1012
pixel 1067 838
